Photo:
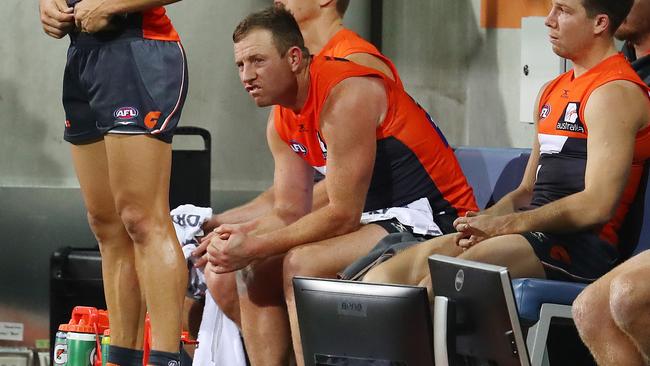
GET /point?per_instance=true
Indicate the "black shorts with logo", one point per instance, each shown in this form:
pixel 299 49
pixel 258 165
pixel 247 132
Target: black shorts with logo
pixel 582 257
pixel 122 84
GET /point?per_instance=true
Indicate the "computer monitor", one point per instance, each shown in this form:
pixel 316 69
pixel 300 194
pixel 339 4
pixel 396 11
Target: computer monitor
pixel 481 319
pixel 356 323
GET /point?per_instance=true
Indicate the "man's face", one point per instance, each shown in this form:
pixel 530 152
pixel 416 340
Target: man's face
pixel 570 29
pixel 637 24
pixel 266 75
pixel 302 10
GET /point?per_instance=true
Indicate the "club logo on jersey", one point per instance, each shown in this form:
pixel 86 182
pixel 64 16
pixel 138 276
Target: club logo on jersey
pixel 298 148
pixel 67 123
pixel 565 94
pixel 571 113
pixel 125 113
pixel 546 110
pixel 571 121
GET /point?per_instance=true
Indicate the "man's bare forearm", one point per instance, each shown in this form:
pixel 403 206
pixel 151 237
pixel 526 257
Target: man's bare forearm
pixel 258 207
pixel 573 213
pixel 324 223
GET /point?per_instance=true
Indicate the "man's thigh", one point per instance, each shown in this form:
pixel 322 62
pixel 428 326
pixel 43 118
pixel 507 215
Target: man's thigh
pixel 410 266
pixel 512 251
pixel 327 257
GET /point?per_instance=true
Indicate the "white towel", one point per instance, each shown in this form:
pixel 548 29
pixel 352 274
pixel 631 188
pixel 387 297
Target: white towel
pixel 187 223
pixel 219 340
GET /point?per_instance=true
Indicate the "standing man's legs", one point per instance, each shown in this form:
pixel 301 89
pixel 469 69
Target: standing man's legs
pixel 612 314
pixel 324 259
pixel 139 170
pixel 118 257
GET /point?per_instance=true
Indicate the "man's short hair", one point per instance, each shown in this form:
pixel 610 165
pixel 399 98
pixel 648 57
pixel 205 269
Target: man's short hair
pixel 279 21
pixel 342 6
pixel 616 10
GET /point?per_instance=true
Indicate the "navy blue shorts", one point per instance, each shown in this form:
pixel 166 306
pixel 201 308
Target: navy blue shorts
pixel 126 85
pixel 582 257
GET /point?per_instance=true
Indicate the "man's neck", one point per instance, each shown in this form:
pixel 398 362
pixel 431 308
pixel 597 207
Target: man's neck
pixel 317 32
pixel 302 88
pixel 642 47
pixel 593 56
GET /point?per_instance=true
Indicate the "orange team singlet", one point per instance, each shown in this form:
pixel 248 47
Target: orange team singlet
pixel 413 158
pixel 345 43
pixel 156 25
pixel 563 132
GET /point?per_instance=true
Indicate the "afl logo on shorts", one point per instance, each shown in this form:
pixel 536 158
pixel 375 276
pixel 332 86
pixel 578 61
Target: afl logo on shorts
pixel 125 113
pixel 546 110
pixel 298 148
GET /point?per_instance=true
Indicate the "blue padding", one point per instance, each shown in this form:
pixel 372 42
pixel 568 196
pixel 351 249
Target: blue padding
pixel 492 172
pixel 531 293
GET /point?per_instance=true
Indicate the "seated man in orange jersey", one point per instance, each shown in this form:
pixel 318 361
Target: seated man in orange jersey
pixel 585 166
pixel 612 314
pixel 321 24
pixel 382 154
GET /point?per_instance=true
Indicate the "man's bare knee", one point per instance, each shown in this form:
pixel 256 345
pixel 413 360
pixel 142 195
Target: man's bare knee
pixel 297 263
pixel 223 288
pixel 587 309
pixel 628 301
pixel 261 282
pixel 104 224
pixel 138 223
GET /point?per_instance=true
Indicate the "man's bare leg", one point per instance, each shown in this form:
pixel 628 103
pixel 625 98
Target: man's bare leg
pixel 265 324
pixel 139 169
pixel 512 251
pixel 324 259
pixel 611 314
pixel 126 312
pixel 411 267
pixel 223 288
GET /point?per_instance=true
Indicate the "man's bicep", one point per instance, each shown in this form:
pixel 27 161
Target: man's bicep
pixel 612 125
pixel 349 122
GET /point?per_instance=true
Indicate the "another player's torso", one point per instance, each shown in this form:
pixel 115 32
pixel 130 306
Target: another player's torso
pixel 562 135
pixel 413 159
pixel 345 43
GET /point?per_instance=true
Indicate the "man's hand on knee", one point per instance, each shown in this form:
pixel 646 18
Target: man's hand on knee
pixel 231 249
pixel 475 228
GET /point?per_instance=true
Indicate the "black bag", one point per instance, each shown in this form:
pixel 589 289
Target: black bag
pixel 190 175
pixel 75 279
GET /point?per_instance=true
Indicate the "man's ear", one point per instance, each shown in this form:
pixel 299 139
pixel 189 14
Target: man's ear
pixel 324 3
pixel 294 57
pixel 601 23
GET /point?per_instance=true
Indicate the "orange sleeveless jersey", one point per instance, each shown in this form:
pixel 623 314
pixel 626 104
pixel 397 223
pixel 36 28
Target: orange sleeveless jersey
pixel 413 158
pixel 156 25
pixel 345 43
pixel 563 131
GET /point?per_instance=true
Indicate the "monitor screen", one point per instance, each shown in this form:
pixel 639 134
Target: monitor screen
pixel 355 323
pixel 485 329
